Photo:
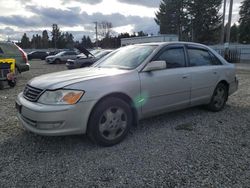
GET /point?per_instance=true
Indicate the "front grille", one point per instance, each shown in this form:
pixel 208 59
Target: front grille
pixel 31 93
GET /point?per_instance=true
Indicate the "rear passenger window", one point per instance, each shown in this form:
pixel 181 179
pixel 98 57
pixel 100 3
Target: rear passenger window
pixel 199 57
pixel 215 60
pixel 174 57
pixel 1 51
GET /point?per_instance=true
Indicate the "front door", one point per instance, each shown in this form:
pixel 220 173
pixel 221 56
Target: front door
pixel 168 89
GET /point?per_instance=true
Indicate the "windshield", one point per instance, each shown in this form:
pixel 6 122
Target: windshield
pixel 128 57
pixel 60 53
pixel 102 54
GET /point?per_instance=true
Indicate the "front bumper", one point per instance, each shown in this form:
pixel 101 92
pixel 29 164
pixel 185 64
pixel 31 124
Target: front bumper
pixel 70 65
pixel 49 60
pixel 53 120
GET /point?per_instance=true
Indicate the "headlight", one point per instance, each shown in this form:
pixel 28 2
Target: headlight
pixel 61 97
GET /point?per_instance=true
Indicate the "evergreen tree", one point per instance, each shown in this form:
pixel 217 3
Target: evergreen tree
pixel 84 41
pixel 89 43
pixel 25 41
pixel 170 16
pixel 45 39
pixel 244 29
pixel 141 34
pixel 69 40
pixel 234 36
pixel 56 35
pixel 206 20
pixel 198 20
pixel 36 41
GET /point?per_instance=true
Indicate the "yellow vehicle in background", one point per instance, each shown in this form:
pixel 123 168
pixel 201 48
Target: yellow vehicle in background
pixel 7 72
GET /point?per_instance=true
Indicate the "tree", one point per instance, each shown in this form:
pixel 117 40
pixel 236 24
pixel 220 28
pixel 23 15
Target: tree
pixel 84 41
pixel 69 40
pixel 170 16
pixel 198 20
pixel 141 34
pixel 56 34
pixel 36 41
pixel 206 20
pixel 45 39
pixel 89 43
pixel 105 29
pixel 244 28
pixel 25 41
pixel 234 37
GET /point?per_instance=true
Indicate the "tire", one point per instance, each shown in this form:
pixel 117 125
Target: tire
pixel 110 122
pixel 12 83
pixel 219 98
pixel 1 85
pixel 57 61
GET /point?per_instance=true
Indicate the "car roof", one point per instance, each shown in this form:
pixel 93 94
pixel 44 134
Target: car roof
pixel 171 43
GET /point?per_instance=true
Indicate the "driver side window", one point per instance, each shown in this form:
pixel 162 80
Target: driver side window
pixel 174 57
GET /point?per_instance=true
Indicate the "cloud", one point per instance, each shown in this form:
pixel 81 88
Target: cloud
pixel 91 2
pixel 147 3
pixel 73 17
pixel 45 17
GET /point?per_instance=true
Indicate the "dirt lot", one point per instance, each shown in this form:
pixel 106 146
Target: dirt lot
pixel 189 148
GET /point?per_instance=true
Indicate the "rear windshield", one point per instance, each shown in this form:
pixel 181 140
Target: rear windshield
pixel 9 48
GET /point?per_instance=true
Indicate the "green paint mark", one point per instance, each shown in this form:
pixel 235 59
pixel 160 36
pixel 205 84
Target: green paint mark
pixel 140 100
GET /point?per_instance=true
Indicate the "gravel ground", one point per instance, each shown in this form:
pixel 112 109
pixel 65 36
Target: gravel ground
pixel 188 148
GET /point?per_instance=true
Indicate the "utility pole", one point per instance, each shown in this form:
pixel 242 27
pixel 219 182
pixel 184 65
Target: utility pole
pixel 96 34
pixel 229 21
pixel 223 23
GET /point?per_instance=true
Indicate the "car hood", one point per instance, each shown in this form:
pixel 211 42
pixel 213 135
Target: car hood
pixel 61 79
pixel 50 56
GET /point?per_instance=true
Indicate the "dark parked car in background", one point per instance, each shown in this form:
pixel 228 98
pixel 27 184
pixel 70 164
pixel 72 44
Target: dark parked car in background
pixel 37 55
pixel 12 51
pixel 86 61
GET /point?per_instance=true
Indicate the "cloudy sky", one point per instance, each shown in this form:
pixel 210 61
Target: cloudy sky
pixel 77 16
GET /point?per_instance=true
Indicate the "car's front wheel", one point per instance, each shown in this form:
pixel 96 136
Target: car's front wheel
pixel 219 98
pixel 110 122
pixel 57 61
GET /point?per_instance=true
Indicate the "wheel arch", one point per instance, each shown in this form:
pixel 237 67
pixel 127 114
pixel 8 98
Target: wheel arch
pixel 121 96
pixel 224 82
pixel 57 59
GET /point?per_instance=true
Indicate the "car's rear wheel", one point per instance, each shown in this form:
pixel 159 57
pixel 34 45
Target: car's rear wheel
pixel 219 98
pixel 110 122
pixel 12 83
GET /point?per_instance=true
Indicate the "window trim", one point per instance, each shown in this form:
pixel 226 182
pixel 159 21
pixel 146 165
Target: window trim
pixel 187 47
pixel 168 47
pixel 215 57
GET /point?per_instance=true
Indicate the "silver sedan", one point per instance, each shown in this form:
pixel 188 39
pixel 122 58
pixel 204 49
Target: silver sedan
pixel 131 83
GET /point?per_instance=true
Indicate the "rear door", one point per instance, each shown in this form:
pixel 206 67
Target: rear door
pixel 168 89
pixel 205 74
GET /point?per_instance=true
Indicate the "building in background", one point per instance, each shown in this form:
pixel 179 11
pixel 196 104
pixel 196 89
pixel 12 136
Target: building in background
pixel 149 39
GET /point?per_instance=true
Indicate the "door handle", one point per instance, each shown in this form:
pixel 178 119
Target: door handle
pixel 185 76
pixel 215 72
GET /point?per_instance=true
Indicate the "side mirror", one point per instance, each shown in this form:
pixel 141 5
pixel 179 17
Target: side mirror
pixel 155 65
